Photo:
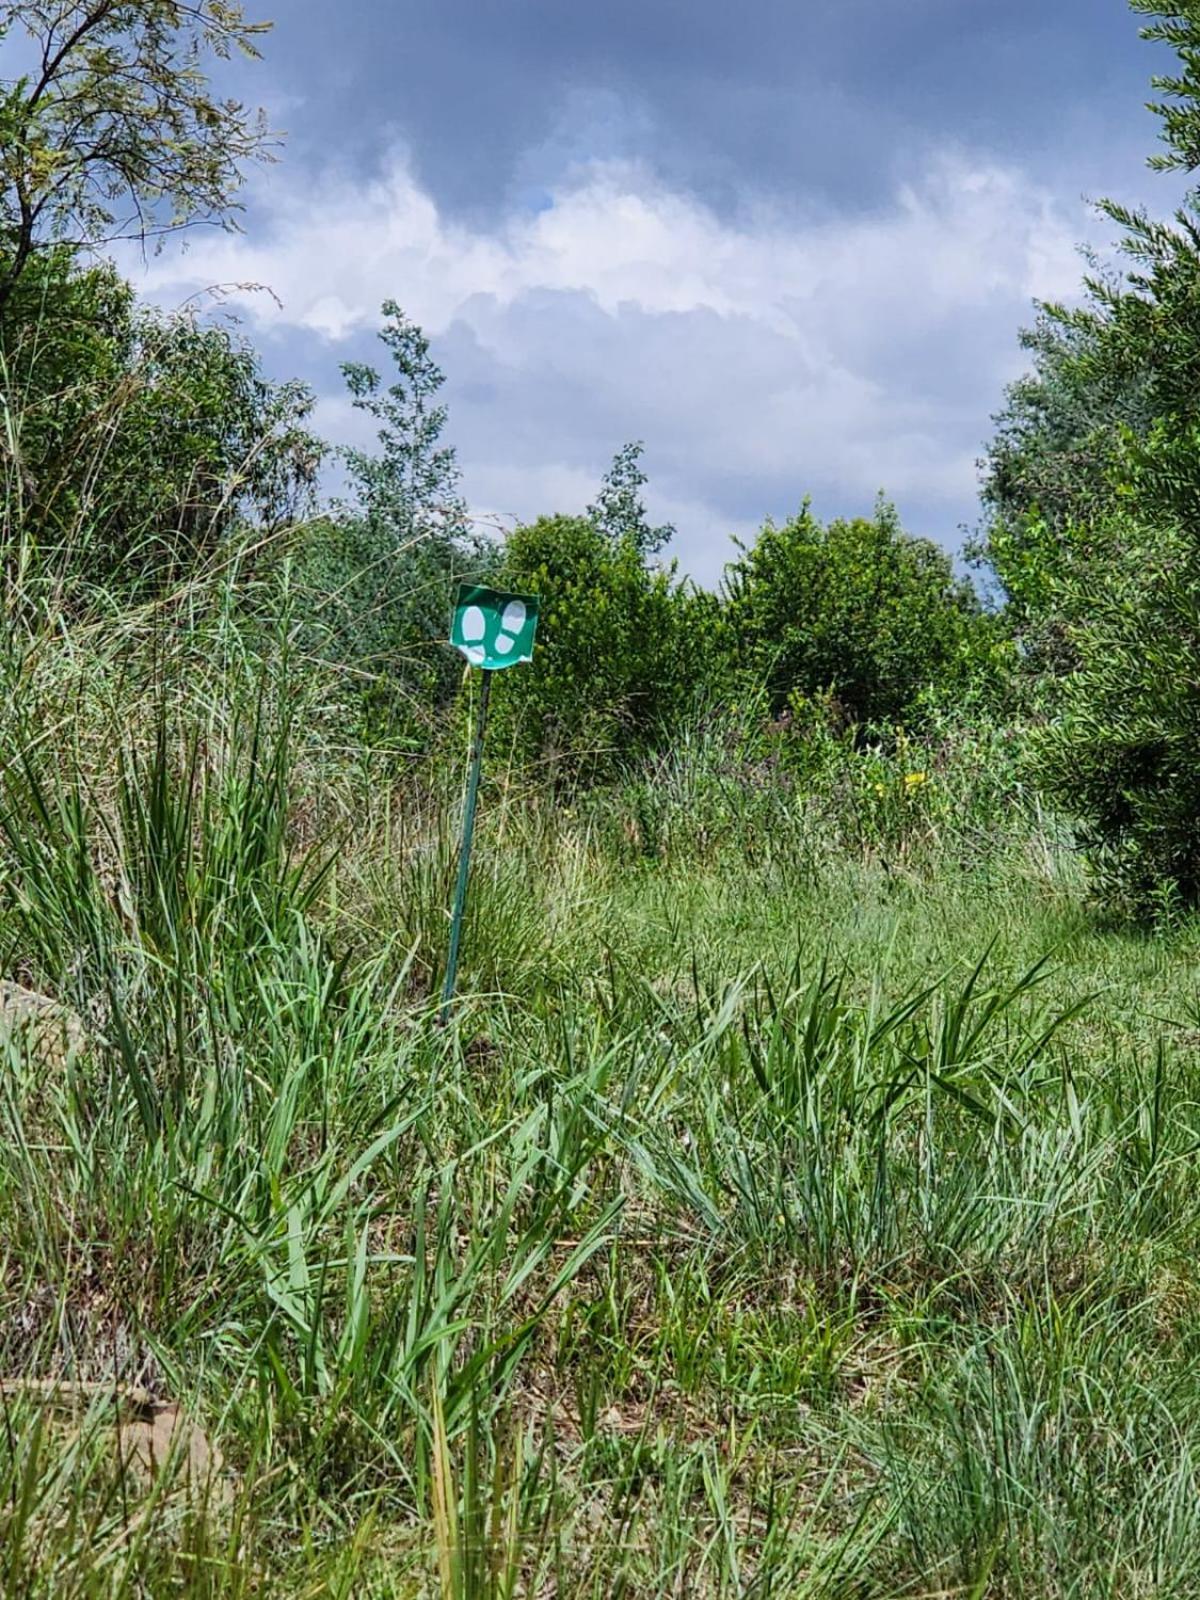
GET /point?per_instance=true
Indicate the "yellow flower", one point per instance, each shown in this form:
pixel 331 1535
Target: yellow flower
pixel 879 789
pixel 913 780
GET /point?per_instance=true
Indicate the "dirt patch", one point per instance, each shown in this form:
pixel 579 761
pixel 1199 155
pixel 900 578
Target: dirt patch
pixel 51 1033
pixel 149 1436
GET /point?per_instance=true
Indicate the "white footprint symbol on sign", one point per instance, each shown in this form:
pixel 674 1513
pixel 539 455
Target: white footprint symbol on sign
pixel 512 620
pixel 474 626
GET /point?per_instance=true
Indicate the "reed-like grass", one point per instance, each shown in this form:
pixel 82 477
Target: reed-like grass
pixel 799 1203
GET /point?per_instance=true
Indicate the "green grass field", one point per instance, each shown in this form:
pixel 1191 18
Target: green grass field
pixel 801 1201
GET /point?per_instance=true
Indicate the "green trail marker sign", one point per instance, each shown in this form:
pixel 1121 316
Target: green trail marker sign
pixel 494 630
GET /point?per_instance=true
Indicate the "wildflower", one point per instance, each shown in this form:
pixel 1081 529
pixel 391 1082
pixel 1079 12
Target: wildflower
pixel 913 780
pixel 879 789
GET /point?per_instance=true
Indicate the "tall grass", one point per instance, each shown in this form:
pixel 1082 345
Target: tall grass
pixel 798 1204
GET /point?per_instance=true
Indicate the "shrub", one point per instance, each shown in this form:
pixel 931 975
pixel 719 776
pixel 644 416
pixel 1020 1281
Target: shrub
pixel 136 439
pixel 857 611
pixel 1123 753
pixel 622 648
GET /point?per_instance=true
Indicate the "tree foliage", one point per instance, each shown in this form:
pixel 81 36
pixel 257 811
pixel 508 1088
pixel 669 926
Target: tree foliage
pixel 1122 753
pixel 619 512
pixel 1110 368
pixel 1048 472
pixel 1176 24
pixel 621 649
pixel 856 610
pixel 136 439
pixel 1113 560
pixel 113 131
pixel 383 566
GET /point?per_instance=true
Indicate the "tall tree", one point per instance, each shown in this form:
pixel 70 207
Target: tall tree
pixel 1103 372
pixel 113 131
pixel 1122 753
pixel 383 566
pixel 410 487
pixel 619 513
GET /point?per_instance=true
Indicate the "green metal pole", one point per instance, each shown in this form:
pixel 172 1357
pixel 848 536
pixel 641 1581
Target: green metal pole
pixel 464 859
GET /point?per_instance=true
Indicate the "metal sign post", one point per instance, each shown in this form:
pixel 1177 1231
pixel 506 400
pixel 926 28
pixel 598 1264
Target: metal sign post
pixel 494 630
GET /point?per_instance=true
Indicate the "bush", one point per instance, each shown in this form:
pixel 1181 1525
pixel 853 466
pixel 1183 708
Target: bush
pixel 136 439
pixel 622 648
pixel 856 611
pixel 1123 753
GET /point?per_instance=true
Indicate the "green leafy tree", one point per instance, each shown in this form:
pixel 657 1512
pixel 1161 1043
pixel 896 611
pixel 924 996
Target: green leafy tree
pixel 619 512
pixel 857 611
pixel 113 131
pixel 1048 467
pixel 134 439
pixel 383 567
pixel 1122 754
pixel 411 485
pixel 1110 368
pixel 621 650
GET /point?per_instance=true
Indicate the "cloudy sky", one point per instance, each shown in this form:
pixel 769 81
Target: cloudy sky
pixel 787 243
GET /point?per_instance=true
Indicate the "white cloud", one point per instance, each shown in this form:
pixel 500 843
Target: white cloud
pixel 758 357
pixel 331 251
